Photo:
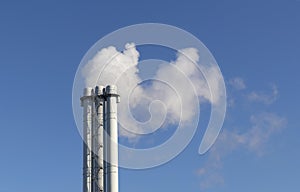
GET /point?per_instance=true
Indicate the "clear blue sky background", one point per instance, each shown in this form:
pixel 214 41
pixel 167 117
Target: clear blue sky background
pixel 258 42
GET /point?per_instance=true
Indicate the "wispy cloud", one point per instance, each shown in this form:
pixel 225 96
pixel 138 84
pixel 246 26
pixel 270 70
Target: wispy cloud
pixel 254 139
pixel 237 83
pixel 264 97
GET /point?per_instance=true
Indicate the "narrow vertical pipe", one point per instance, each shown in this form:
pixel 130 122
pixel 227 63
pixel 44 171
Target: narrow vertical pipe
pixel 87 104
pixel 112 98
pixel 95 126
pixel 94 146
pixel 105 149
pixel 99 102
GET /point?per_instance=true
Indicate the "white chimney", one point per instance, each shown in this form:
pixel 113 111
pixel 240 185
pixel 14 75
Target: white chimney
pixel 99 152
pixel 87 102
pixel 112 99
pixel 99 115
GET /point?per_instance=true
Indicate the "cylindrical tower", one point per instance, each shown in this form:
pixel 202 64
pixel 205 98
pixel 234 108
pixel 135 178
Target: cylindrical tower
pixel 87 102
pixel 99 168
pixel 112 99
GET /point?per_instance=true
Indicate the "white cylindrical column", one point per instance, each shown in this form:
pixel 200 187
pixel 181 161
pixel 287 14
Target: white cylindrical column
pixel 87 102
pixel 99 102
pixel 112 98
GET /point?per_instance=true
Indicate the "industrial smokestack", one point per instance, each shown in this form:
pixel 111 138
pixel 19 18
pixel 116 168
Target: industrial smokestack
pixel 87 102
pixel 99 115
pixel 112 99
pixel 99 152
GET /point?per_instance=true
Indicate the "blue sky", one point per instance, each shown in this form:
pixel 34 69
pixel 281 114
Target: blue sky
pixel 256 44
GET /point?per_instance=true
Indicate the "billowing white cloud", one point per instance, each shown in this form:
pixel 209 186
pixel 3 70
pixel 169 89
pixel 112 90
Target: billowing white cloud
pixel 107 65
pixel 176 81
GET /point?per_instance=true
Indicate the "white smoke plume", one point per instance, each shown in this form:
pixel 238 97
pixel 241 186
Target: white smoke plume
pixel 177 81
